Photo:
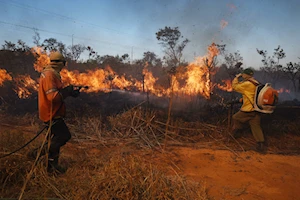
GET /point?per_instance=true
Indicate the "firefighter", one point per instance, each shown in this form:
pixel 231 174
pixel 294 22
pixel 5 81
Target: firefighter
pixel 247 114
pixel 52 109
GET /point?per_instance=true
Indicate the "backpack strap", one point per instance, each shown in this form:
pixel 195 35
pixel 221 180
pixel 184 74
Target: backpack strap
pixel 250 101
pixel 255 83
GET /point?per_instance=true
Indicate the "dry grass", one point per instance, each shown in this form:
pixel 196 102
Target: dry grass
pixel 117 175
pixel 117 168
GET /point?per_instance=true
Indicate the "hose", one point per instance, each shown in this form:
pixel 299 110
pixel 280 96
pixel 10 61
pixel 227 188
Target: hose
pixel 6 155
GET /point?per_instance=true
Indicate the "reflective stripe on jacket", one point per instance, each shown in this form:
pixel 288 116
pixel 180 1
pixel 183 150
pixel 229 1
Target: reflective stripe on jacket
pixel 247 89
pixel 49 96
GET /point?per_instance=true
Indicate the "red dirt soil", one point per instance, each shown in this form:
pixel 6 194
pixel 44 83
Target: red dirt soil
pixel 247 175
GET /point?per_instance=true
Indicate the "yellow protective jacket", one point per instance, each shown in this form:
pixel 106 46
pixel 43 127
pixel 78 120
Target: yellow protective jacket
pixel 247 89
pixel 50 100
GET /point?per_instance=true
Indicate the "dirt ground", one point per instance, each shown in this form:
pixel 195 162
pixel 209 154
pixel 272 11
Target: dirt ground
pixel 247 176
pixel 224 173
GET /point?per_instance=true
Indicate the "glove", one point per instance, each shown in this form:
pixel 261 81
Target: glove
pixel 238 75
pixel 75 93
pixel 67 91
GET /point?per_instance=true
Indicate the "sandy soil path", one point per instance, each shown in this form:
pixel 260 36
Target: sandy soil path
pixel 247 176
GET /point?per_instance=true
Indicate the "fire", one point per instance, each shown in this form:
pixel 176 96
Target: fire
pixel 149 82
pixel 223 24
pixel 226 87
pixel 25 86
pixel 106 79
pixel 198 74
pixel 42 59
pixel 4 76
pixel 195 79
pixel 97 80
pixel 23 83
pixel 282 90
pixel 213 51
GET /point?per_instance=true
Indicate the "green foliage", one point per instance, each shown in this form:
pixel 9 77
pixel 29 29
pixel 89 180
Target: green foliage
pixel 170 39
pixel 150 59
pixel 52 44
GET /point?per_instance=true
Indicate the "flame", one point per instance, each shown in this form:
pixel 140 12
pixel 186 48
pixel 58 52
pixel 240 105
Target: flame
pixel 149 81
pixel 226 87
pixel 193 79
pixel 282 90
pixel 25 86
pixel 95 79
pixel 197 79
pixel 4 76
pixel 42 58
pixel 213 51
pixel 223 24
pixel 199 73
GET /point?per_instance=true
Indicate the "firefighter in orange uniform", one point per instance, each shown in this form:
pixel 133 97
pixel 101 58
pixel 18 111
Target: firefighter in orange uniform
pixel 52 107
pixel 247 114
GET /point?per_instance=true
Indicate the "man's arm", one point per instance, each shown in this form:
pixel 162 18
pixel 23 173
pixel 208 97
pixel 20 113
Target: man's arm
pixel 238 86
pixel 51 87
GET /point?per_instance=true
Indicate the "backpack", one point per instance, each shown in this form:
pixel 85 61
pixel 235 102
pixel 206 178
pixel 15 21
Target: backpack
pixel 265 98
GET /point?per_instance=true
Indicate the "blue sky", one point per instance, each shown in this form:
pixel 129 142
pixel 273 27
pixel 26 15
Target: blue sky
pixel 116 27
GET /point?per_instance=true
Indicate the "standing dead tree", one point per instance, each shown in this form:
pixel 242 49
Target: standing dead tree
pixel 292 70
pixel 271 65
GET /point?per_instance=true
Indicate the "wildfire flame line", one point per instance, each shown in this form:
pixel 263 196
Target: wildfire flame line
pixel 192 80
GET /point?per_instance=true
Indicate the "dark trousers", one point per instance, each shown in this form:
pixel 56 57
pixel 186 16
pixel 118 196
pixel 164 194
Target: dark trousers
pixel 60 135
pixel 253 118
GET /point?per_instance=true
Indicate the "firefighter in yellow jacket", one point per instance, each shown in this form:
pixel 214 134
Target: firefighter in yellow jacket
pixel 247 114
pixel 52 109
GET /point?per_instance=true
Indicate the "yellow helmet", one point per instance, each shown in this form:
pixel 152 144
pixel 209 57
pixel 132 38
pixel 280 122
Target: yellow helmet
pixel 56 56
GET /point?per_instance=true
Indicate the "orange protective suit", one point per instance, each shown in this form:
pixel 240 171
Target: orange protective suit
pixel 50 100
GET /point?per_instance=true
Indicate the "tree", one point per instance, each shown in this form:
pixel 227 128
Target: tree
pixel 213 50
pixel 271 65
pixel 92 53
pixel 110 60
pixel 9 46
pixel 125 57
pixel 22 47
pixel 36 38
pixel 19 47
pixel 151 59
pixel 292 70
pixel 52 44
pixel 233 62
pixel 170 40
pixel 75 51
pixel 211 60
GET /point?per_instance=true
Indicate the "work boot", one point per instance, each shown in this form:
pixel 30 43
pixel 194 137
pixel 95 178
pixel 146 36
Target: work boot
pixel 261 147
pixel 54 167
